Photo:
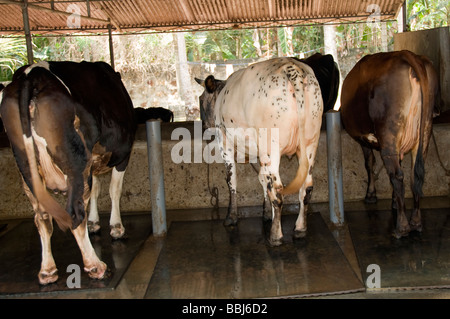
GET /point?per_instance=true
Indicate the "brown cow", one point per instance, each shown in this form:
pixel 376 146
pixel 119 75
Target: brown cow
pixel 387 103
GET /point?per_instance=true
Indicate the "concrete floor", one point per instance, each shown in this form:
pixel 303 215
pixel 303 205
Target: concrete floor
pixel 136 280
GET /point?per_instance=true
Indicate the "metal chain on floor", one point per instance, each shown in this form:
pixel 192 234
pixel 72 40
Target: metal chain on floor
pixel 214 192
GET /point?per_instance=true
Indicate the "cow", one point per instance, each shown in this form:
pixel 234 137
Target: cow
pixel 388 101
pixel 142 115
pixel 327 74
pixel 280 95
pixel 68 122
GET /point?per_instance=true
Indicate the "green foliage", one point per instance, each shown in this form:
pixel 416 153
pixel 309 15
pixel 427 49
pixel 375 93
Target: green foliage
pixel 13 54
pixel 308 40
pixel 428 14
pixel 219 45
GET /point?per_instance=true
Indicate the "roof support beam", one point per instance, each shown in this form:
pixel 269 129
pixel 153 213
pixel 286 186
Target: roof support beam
pixel 26 26
pixel 108 14
pixel 111 47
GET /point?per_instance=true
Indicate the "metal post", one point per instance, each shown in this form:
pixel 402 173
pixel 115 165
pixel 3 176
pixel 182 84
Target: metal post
pixel 404 9
pixel 156 173
pixel 334 155
pixel 111 47
pixel 26 27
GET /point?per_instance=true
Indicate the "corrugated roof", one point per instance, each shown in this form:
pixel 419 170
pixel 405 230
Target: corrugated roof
pixel 69 16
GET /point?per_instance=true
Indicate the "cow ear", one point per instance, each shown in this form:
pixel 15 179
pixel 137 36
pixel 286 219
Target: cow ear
pixel 210 84
pixel 200 81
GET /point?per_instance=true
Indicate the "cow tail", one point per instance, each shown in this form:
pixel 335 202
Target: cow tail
pixel 46 202
pixel 419 165
pixel 294 75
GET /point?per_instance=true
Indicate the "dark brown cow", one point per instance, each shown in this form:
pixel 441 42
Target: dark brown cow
pixel 387 103
pixel 68 122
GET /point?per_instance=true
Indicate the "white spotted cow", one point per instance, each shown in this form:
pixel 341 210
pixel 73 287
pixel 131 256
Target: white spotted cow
pixel 278 105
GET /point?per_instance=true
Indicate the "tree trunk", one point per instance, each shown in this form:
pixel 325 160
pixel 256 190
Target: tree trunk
pixel 329 35
pixel 289 31
pixel 256 43
pixel 184 77
pixel 384 41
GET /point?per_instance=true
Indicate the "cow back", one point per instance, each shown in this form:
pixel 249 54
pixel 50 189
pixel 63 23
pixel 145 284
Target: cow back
pixel 104 106
pixel 327 74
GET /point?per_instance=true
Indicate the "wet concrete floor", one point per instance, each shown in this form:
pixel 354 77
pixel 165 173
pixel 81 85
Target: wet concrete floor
pixel 135 282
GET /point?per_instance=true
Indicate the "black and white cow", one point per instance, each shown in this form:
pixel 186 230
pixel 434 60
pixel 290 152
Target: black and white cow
pixel 152 113
pixel 68 122
pixel 278 105
pixel 327 74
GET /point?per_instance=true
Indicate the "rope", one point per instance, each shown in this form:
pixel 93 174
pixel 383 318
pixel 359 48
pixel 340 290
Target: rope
pixel 447 171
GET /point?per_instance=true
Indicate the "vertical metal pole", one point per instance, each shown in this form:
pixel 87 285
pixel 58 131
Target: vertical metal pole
pixel 111 47
pixel 26 27
pixel 334 155
pixel 404 9
pixel 156 173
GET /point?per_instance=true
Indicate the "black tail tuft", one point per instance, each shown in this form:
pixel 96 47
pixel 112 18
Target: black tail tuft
pixel 25 95
pixel 419 173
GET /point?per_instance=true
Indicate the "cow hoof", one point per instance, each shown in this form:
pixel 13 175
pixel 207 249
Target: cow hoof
pixel 117 231
pixel 298 234
pixel 370 199
pixel 416 226
pixel 399 233
pixel 93 227
pixel 275 242
pixel 97 272
pixel 46 278
pixel 230 221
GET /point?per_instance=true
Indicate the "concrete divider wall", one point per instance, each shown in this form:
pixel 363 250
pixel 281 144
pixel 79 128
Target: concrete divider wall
pixel 186 184
pixel 434 44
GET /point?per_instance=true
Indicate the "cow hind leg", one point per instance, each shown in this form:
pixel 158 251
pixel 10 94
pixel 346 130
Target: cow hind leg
pixel 48 273
pixel 416 219
pixel 395 173
pixel 304 199
pixel 305 191
pixel 44 223
pixel 274 188
pixel 232 214
pixel 267 205
pixel 115 192
pixel 274 191
pixel 369 163
pixel 94 219
pixel 95 268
